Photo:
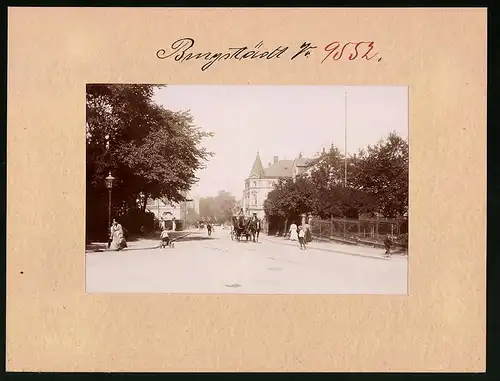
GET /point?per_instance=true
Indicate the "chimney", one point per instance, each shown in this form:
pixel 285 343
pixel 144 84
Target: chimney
pixel 300 155
pixel 275 159
pixel 323 149
pixel 268 165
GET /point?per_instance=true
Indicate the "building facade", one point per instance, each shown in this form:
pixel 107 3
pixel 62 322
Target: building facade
pixel 261 181
pixel 172 215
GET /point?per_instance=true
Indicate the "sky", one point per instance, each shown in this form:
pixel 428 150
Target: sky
pixel 282 121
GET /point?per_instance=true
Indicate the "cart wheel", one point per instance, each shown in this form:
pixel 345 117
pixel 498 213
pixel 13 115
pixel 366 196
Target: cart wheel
pixel 172 245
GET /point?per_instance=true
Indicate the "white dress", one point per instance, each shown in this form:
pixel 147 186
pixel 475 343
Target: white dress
pixel 118 241
pixel 293 232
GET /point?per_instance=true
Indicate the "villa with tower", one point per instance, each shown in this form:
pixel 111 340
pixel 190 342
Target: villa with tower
pixel 261 181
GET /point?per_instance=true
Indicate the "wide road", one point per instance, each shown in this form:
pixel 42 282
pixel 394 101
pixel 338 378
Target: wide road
pixel 218 265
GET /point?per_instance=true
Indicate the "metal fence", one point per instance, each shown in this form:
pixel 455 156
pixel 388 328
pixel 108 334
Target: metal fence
pixel 369 228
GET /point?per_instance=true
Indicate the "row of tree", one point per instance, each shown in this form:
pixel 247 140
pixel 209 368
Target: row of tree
pixel 151 151
pixel 218 209
pixel 377 184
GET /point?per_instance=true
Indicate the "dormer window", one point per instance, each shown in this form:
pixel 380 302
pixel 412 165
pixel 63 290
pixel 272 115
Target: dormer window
pixel 255 183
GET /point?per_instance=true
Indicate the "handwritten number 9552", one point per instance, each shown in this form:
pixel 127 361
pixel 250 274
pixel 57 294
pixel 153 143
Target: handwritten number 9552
pixel 351 51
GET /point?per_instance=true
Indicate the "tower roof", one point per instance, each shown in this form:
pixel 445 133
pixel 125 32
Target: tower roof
pixel 257 168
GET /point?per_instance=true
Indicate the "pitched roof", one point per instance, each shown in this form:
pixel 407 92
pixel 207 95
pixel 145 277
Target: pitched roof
pixel 283 168
pixel 302 162
pixel 257 168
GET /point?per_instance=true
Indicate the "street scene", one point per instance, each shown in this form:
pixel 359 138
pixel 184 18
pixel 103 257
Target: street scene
pixel 218 265
pixel 247 189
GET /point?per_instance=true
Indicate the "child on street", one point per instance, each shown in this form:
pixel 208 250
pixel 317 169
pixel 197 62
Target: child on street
pixel 165 238
pixel 302 240
pixel 388 244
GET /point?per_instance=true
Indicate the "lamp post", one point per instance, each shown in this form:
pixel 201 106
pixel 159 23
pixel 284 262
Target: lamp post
pixel 109 184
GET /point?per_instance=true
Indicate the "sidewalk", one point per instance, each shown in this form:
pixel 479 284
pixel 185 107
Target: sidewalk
pixel 334 247
pixel 140 243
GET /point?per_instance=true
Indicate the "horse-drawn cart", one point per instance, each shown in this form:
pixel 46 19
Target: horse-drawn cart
pixel 245 227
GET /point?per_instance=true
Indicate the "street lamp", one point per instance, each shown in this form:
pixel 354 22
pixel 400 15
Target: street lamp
pixel 109 184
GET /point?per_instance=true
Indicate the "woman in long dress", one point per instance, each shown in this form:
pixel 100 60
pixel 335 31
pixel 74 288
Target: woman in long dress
pixel 117 239
pixel 293 232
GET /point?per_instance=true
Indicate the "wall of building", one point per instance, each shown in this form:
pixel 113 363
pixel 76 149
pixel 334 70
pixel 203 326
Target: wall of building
pixel 255 193
pixel 160 209
pixel 262 181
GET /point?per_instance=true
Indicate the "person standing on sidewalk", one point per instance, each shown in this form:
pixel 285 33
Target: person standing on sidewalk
pixel 308 236
pixel 388 244
pixel 302 239
pixel 293 232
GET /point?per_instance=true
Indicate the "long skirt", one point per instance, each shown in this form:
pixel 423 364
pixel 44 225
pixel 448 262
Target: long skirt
pixel 118 243
pixel 293 235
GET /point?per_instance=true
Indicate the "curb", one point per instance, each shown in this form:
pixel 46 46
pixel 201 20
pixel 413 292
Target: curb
pixel 334 251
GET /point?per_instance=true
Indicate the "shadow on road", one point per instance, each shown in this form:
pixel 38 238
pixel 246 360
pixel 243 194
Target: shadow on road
pixel 155 235
pixel 196 238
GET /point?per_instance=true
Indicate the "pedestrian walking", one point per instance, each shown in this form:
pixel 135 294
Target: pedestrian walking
pixel 308 236
pixel 302 239
pixel 209 228
pixel 293 232
pixel 387 244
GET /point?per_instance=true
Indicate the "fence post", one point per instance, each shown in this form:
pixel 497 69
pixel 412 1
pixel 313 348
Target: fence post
pixel 376 228
pixel 331 227
pixel 319 231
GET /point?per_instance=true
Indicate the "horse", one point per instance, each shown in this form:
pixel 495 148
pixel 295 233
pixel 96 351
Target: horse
pixel 254 228
pixel 241 227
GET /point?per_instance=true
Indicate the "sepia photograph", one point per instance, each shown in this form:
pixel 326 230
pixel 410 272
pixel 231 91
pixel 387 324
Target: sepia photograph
pixel 246 189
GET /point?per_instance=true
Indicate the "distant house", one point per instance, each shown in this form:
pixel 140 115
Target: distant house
pixel 261 181
pixel 301 166
pixel 172 215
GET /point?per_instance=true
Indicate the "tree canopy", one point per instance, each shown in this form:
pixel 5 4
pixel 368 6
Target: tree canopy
pixel 219 208
pixel 382 171
pixel 151 151
pixel 377 182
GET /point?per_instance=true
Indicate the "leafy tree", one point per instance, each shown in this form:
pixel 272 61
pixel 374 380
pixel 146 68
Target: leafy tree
pixel 382 171
pixel 327 169
pixel 290 198
pixel 220 208
pixel 151 151
pixel 323 192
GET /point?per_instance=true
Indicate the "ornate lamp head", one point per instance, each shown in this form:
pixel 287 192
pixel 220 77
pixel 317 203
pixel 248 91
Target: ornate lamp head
pixel 109 181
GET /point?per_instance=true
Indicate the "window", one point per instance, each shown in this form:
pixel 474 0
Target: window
pixel 254 199
pixel 255 184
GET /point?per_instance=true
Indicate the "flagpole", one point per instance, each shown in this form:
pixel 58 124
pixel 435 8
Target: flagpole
pixel 345 142
pixel 345 155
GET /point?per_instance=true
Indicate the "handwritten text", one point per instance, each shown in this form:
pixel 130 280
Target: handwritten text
pixel 183 50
